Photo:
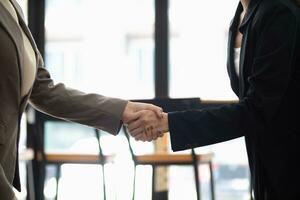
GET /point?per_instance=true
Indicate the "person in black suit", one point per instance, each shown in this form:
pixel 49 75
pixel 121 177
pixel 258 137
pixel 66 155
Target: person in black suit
pixel 267 82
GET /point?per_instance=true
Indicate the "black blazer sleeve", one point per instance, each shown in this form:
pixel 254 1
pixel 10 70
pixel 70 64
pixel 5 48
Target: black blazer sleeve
pixel 272 64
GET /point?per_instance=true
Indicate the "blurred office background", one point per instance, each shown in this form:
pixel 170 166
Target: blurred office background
pixel 115 48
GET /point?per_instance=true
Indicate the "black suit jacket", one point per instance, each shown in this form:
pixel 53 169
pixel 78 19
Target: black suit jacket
pixel 267 113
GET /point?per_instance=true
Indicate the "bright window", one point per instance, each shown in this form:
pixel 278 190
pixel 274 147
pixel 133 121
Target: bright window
pixel 104 47
pixel 198 51
pixel 107 47
pixel 198 44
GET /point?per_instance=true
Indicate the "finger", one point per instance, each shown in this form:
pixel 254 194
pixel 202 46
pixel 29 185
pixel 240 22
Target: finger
pixel 149 135
pixel 160 134
pixel 136 132
pixel 159 113
pixel 134 116
pixel 137 138
pixel 140 137
pixel 158 110
pixel 154 135
pixel 145 137
pixel 134 125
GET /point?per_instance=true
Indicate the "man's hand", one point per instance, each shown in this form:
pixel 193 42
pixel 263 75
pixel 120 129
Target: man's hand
pixel 148 126
pixel 132 108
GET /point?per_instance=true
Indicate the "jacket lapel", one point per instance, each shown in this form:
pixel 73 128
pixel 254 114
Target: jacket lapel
pixel 23 24
pixel 244 29
pixel 28 34
pixel 250 12
pixel 234 80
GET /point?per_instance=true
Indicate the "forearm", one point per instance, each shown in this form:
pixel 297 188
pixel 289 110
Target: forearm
pixel 65 103
pixel 195 128
pixel 165 123
pixel 89 109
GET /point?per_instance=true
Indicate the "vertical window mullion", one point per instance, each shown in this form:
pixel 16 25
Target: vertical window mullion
pixel 36 22
pixel 161 49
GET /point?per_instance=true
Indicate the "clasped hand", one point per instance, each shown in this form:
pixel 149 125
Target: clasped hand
pixel 145 122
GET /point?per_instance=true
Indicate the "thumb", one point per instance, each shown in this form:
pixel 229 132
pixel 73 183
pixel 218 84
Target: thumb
pixel 158 110
pixel 133 116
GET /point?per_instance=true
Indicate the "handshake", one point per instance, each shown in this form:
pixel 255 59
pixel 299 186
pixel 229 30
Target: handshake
pixel 145 122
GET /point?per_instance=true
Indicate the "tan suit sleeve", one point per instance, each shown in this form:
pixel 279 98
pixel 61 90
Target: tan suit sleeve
pixel 72 105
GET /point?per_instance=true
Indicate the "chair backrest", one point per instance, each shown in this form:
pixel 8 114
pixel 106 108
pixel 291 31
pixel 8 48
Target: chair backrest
pixel 170 105
pixel 133 156
pixel 100 151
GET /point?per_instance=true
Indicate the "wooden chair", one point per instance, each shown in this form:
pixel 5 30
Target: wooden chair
pixel 58 159
pixel 192 159
pixel 156 160
pixel 42 159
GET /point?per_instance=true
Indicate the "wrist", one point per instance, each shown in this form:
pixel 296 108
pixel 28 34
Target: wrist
pixel 165 123
pixel 126 112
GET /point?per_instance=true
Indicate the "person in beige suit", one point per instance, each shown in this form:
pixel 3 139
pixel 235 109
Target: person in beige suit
pixel 24 79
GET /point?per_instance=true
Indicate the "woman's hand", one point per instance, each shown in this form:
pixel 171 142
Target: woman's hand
pixel 132 108
pixel 148 126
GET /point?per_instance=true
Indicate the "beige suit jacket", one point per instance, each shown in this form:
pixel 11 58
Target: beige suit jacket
pixel 56 100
